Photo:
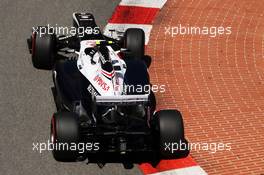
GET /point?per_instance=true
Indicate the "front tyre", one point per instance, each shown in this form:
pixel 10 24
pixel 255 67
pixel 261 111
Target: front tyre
pixel 64 133
pixel 134 41
pixel 43 49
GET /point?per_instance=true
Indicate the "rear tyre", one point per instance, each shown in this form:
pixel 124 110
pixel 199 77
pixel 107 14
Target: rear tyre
pixel 43 49
pixel 134 41
pixel 172 143
pixel 64 131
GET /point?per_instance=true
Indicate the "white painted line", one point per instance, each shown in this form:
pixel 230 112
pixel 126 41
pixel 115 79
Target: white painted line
pixel 193 170
pixel 119 30
pixel 144 3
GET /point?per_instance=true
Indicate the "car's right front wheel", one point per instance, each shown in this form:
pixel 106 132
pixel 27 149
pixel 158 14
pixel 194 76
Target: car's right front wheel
pixel 134 41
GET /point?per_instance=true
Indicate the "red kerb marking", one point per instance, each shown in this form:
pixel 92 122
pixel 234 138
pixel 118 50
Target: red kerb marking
pixel 165 165
pixel 133 15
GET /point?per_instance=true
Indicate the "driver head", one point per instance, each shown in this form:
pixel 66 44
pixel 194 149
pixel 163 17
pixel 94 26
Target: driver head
pixel 105 59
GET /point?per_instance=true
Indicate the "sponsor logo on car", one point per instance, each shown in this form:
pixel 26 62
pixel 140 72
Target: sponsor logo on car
pixel 101 83
pixel 92 90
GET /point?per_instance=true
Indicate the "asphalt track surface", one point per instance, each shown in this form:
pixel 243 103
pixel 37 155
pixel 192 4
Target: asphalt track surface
pixel 26 100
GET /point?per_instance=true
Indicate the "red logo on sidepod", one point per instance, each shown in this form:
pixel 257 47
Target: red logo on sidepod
pixel 101 83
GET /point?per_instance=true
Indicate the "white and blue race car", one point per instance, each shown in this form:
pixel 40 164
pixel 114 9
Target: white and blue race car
pixel 96 92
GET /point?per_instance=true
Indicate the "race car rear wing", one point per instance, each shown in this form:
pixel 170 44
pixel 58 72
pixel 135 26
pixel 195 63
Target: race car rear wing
pixel 122 100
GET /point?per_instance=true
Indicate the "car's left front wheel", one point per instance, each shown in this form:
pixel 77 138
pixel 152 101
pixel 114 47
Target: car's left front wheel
pixel 43 48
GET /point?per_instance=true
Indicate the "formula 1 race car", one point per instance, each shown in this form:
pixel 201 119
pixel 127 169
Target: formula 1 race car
pixel 105 105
